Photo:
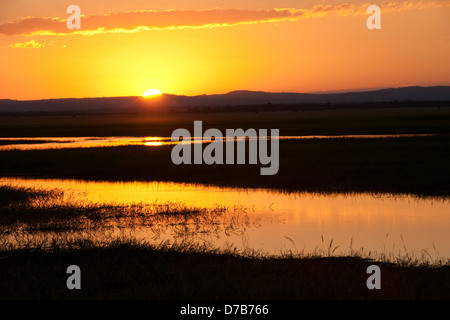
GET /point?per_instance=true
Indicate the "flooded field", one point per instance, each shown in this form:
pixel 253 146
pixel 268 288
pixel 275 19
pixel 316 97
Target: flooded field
pixel 48 143
pixel 274 222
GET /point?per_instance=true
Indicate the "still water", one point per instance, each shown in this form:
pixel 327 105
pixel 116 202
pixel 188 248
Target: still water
pixel 381 223
pixel 47 143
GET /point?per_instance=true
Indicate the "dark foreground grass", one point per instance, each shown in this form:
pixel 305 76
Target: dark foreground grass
pixel 133 271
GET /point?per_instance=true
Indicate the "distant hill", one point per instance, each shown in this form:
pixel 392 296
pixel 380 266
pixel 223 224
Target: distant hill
pixel 234 98
pixel 440 93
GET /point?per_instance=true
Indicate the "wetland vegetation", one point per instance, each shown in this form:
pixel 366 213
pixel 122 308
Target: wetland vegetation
pixel 43 231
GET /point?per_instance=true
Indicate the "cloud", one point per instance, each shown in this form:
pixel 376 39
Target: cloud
pixel 136 21
pixel 146 20
pixel 28 45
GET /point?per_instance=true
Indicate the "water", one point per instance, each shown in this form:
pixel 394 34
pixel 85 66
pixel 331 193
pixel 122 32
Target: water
pixel 293 221
pixel 47 143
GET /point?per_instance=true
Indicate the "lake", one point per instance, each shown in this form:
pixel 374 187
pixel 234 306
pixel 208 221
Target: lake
pixel 280 221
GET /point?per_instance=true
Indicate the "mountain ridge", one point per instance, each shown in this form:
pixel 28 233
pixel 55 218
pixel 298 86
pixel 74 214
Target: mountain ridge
pixel 232 98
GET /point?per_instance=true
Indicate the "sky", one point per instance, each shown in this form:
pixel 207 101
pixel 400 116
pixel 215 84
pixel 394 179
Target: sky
pixel 195 47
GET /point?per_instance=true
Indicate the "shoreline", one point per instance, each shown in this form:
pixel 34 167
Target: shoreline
pixel 127 271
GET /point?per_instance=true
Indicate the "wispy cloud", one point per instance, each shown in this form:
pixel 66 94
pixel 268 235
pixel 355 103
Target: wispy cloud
pixel 146 20
pixel 136 21
pixel 29 45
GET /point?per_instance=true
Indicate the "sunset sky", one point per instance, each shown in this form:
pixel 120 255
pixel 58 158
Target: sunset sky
pixel 209 46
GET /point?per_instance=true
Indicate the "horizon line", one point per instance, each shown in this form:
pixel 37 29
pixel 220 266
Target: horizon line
pixel 338 91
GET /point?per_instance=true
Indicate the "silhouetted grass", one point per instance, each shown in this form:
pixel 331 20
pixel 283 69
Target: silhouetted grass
pixel 413 165
pixel 35 218
pixel 127 269
pixel 376 120
pixel 416 165
pixel 21 195
pixel 41 227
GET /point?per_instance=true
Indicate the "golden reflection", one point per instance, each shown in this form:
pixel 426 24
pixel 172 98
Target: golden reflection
pixel 154 138
pixel 153 143
pixel 47 143
pixel 375 223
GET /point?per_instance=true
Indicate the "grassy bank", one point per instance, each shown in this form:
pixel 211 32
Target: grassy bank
pixel 416 165
pixel 132 271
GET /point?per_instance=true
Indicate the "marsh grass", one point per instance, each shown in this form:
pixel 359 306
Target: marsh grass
pixel 47 218
pixel 53 219
pixel 44 231
pixel 41 233
pixel 410 165
pixel 129 268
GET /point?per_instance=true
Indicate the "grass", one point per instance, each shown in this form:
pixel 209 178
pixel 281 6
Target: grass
pixel 413 165
pixel 120 266
pixel 43 232
pixel 44 218
pixel 327 122
pixel 130 270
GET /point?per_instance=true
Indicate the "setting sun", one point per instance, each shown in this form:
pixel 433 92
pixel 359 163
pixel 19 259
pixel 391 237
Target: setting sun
pixel 152 93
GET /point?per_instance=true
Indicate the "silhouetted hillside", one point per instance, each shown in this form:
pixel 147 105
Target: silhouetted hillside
pixel 258 98
pixel 231 99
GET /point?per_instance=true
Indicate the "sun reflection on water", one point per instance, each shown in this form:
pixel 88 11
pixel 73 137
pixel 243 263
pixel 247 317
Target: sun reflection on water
pixel 289 221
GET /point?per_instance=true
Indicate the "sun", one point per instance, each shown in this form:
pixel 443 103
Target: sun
pixel 152 93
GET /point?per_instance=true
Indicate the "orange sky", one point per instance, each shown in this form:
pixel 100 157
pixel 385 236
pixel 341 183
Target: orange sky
pixel 205 47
